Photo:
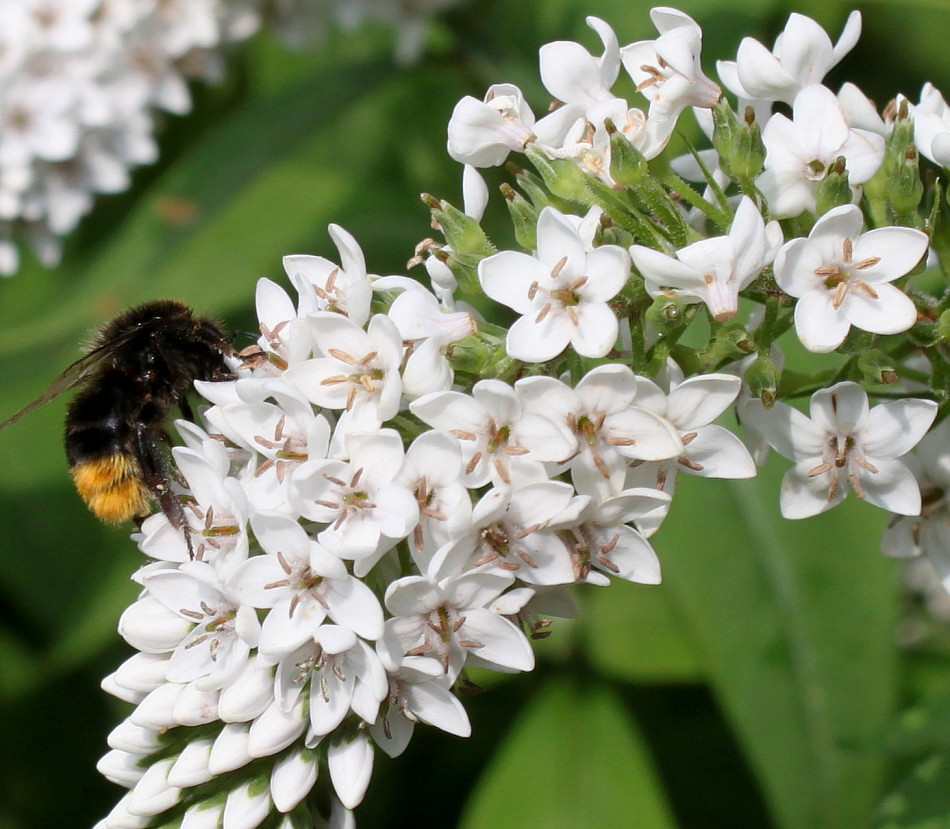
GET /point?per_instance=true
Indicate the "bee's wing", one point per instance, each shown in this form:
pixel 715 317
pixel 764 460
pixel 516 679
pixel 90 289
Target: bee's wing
pixel 71 377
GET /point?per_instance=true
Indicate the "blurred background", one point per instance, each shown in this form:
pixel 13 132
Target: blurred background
pixel 778 677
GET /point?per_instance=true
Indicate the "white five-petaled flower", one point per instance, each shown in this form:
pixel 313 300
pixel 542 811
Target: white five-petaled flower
pixel 359 372
pixel 482 133
pixel 667 70
pixel 324 286
pixel 224 631
pixel 709 450
pixel 367 510
pixel 803 54
pixel 500 441
pixel 714 270
pixel 840 277
pixel 302 584
pixel 446 615
pixel 608 424
pixel 344 673
pixel 844 445
pixel 562 292
pixel 800 151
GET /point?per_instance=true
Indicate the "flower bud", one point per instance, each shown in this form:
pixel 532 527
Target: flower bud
pixel 904 187
pixel 562 177
pixel 762 378
pixel 524 217
pixel 666 314
pixel 730 342
pixel 877 367
pixel 462 232
pixel 943 326
pixel 835 189
pixel 739 143
pixel 628 166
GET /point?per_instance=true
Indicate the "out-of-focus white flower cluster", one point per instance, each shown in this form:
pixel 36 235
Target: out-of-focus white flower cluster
pixel 81 82
pixel 394 490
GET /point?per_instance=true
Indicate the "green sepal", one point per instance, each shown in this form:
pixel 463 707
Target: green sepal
pixel 524 217
pixel 763 378
pixel 877 367
pixel 835 188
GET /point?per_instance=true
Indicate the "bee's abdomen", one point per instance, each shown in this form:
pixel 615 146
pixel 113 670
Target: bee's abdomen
pixel 112 487
pixel 99 451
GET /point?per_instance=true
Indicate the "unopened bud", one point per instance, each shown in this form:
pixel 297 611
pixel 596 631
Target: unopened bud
pixel 835 188
pixel 666 314
pixel 463 233
pixel 562 177
pixel 628 166
pixel 762 378
pixel 738 143
pixel 524 217
pixel 877 367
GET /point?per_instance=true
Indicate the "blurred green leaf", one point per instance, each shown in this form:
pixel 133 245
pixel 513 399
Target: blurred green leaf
pixel 921 800
pixel 794 621
pixel 632 632
pixel 574 760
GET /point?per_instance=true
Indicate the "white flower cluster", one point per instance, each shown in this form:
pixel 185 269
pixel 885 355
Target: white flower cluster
pixel 369 515
pixel 345 574
pixel 81 82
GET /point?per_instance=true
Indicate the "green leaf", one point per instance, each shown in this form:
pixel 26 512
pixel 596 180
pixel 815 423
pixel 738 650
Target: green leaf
pixel 632 632
pixel 573 761
pixel 921 800
pixel 795 626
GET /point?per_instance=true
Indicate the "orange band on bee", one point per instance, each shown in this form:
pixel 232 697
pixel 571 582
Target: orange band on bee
pixel 112 488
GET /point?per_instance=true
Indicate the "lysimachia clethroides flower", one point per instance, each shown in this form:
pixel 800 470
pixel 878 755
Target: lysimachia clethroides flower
pixel 396 488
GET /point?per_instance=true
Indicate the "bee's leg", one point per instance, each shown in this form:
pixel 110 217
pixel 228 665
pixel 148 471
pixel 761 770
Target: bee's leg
pixel 158 470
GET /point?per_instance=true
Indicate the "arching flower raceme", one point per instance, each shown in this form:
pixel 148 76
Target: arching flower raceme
pixel 714 270
pixel 562 292
pixel 841 278
pixel 845 446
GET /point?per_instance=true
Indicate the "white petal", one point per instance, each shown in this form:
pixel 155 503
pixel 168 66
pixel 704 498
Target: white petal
pixel 351 766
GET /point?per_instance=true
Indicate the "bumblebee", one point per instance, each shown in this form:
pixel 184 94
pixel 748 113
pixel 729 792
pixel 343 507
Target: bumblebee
pixel 139 366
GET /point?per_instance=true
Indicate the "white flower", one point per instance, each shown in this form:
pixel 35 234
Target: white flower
pixel 433 473
pixel 359 372
pixel 932 126
pixel 224 630
pixel 482 133
pixel 509 535
pixel 562 293
pixel 609 426
pixel 500 441
pixel 445 616
pixel 667 70
pixel 367 510
pixel 603 544
pixel 343 674
pixel 840 277
pixel 575 77
pixel 325 286
pixel 302 584
pixel 798 156
pixel 928 533
pixel 714 270
pixel 418 692
pixel 802 55
pixel 429 331
pixel 843 446
pixel 709 451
